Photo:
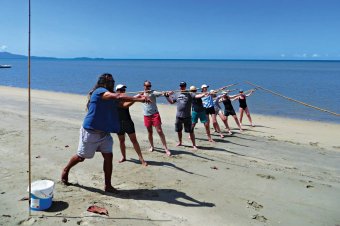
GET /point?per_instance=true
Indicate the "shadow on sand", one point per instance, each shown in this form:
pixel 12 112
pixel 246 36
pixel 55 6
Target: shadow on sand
pixel 165 164
pixel 170 196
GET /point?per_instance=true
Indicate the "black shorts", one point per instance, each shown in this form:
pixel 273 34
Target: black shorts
pixel 187 124
pixel 243 106
pixel 126 127
pixel 210 111
pixel 229 112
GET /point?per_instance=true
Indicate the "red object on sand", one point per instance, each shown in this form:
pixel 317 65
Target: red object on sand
pixel 99 210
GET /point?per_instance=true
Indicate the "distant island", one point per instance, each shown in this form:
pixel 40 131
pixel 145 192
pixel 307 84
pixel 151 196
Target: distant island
pixel 8 55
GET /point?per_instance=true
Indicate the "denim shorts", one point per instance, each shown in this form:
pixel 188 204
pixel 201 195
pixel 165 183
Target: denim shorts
pixel 91 141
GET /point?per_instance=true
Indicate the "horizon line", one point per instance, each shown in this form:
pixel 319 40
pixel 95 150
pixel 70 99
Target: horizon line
pixel 189 59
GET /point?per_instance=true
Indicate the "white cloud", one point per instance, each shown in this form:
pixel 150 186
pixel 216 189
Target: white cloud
pixel 3 48
pixel 283 55
pixel 315 55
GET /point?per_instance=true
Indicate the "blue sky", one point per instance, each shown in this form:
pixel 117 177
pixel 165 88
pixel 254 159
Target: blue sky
pixel 174 29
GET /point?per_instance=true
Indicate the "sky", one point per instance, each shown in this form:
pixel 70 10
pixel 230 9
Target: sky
pixel 173 29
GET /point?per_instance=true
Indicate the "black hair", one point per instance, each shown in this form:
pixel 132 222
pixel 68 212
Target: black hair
pixel 104 80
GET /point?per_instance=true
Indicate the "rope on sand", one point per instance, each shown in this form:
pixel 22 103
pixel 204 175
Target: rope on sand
pixel 291 99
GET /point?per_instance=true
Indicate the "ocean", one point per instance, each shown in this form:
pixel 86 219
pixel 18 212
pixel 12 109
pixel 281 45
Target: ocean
pixel 314 82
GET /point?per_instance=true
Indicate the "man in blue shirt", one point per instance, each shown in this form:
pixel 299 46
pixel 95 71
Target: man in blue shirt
pixel 101 120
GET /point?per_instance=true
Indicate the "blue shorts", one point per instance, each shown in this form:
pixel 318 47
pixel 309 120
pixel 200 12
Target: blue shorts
pixel 91 141
pixel 199 115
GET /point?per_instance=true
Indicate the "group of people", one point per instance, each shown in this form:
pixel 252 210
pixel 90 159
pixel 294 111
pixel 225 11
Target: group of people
pixel 108 112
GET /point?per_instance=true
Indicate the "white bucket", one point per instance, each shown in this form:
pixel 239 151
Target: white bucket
pixel 41 194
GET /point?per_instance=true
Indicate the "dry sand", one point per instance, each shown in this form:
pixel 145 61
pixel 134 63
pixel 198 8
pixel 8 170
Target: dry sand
pixel 282 172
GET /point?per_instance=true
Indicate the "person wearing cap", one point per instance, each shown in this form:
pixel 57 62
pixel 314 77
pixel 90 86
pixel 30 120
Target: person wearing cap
pixel 152 116
pixel 198 112
pixel 127 126
pixel 183 115
pixel 101 120
pixel 229 109
pixel 208 104
pixel 241 97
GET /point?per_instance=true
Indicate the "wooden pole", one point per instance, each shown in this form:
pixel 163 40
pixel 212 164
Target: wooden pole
pixel 29 107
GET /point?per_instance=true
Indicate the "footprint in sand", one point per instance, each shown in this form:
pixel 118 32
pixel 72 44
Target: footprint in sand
pixel 260 218
pixel 315 144
pixel 28 221
pixel 255 205
pixel 269 177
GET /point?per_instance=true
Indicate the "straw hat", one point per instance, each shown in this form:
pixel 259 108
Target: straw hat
pixel 193 88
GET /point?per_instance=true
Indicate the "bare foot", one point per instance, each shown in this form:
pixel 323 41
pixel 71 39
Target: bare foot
pixel 110 189
pixel 122 160
pixel 143 162
pixel 194 147
pixel 211 140
pixel 64 177
pixel 241 130
pixel 167 152
pixel 151 149
pixel 229 132
pixel 252 125
pixel 221 135
pixel 179 144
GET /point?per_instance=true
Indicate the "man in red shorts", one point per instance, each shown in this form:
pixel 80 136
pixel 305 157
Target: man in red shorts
pixel 152 117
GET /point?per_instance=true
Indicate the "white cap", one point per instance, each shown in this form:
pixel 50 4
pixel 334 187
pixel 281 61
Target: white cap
pixel 204 86
pixel 119 86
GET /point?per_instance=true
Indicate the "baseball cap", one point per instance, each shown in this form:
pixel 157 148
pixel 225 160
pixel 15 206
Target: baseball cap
pixel 204 86
pixel 182 84
pixel 120 86
pixel 241 90
pixel 193 88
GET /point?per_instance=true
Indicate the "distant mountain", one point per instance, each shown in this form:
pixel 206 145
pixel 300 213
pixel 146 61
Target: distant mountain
pixel 7 55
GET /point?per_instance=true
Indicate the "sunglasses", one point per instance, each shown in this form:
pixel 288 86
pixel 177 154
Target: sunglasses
pixel 147 85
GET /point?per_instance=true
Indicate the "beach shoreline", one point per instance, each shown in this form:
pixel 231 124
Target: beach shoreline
pixel 281 172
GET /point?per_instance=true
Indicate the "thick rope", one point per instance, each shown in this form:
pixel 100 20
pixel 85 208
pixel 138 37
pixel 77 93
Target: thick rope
pixel 291 99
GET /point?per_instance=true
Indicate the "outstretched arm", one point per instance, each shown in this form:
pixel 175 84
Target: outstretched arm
pixel 167 96
pixel 250 93
pixel 197 96
pixel 123 98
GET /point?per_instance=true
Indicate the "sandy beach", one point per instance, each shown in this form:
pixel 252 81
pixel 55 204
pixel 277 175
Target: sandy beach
pixel 281 172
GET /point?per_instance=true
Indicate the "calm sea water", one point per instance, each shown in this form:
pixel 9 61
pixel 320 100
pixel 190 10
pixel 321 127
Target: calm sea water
pixel 316 83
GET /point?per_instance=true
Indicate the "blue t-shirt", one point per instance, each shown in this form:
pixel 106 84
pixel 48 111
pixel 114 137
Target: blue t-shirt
pixel 208 101
pixel 102 114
